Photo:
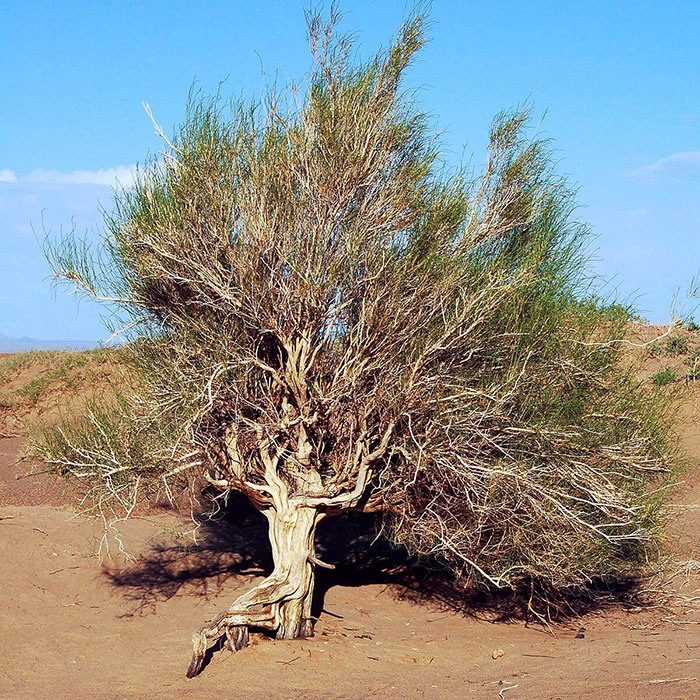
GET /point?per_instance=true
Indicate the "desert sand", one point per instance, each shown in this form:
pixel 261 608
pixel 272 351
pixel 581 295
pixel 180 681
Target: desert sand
pixel 75 626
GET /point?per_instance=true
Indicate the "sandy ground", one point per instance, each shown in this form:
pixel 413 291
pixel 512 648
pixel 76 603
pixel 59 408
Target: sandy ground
pixel 72 626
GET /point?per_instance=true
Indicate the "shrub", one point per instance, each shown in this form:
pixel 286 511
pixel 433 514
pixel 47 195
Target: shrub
pixel 677 345
pixel 691 325
pixel 664 376
pixel 326 320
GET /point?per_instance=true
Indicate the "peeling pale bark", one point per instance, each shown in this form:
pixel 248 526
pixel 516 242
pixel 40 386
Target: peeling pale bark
pixel 280 603
pixel 292 539
pixel 294 505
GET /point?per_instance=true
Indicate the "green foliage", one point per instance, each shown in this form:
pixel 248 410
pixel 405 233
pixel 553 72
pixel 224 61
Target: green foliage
pixel 12 363
pixel 654 349
pixel 664 376
pixel 129 446
pixel 691 325
pixel 677 345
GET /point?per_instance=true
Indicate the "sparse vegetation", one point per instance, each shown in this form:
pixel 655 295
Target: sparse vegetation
pixel 325 320
pixel 664 376
pixel 691 325
pixel 677 345
pixel 654 349
pixel 12 363
pixel 28 380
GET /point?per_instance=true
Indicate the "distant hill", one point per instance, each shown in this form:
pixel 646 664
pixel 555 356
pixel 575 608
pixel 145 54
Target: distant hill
pixel 8 344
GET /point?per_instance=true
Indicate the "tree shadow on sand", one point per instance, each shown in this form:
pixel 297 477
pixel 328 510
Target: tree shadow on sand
pixel 233 547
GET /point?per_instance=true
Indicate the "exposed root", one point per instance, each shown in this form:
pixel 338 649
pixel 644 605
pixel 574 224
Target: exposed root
pixel 237 638
pixel 273 605
pixel 234 625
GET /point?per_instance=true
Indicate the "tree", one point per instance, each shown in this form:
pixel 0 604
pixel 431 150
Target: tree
pixel 325 319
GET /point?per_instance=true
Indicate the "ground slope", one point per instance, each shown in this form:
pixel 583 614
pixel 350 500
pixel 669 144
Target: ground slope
pixel 72 627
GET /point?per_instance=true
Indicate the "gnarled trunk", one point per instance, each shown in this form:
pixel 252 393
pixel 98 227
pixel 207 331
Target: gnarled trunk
pixel 280 603
pixel 292 539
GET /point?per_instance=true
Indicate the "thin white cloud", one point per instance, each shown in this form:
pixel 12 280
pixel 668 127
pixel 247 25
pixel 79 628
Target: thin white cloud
pixel 7 176
pixel 122 175
pixel 686 164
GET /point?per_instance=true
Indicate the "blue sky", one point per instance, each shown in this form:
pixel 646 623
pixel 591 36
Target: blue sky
pixel 620 82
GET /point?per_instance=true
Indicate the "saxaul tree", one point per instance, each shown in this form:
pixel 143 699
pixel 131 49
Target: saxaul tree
pixel 325 318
